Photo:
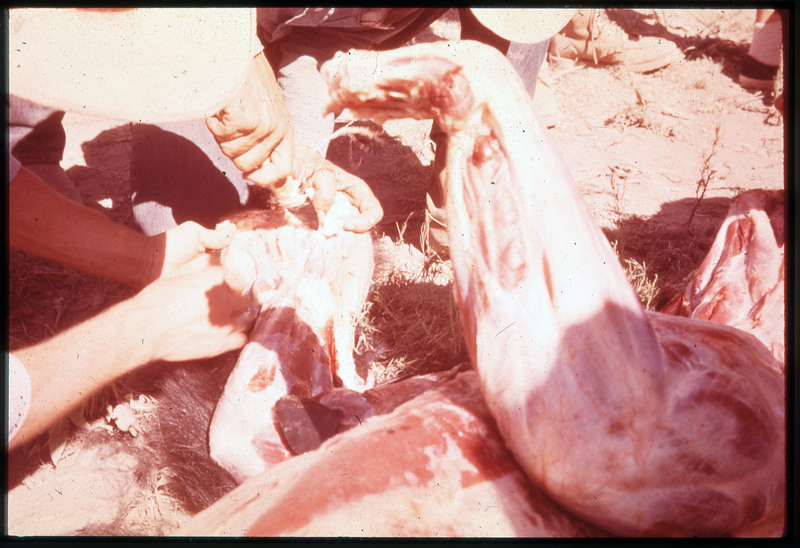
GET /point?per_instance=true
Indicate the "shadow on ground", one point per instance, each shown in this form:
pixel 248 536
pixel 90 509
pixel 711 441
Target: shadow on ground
pixel 666 245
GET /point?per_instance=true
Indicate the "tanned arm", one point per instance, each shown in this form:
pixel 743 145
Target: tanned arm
pixel 178 318
pixel 45 223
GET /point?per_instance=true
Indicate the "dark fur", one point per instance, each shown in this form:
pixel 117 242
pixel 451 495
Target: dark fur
pixel 172 443
pixel 187 397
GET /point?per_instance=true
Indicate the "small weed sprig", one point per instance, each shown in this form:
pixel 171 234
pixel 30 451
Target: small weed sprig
pixel 707 174
pixel 618 179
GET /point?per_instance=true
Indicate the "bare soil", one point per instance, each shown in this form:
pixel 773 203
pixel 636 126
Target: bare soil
pixel 639 146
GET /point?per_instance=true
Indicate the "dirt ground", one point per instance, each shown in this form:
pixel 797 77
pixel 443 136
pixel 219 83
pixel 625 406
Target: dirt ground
pixel 640 147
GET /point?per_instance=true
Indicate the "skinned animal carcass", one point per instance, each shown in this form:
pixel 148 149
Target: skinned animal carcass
pixel 147 474
pixel 310 286
pixel 430 462
pixel 627 422
pixel 741 282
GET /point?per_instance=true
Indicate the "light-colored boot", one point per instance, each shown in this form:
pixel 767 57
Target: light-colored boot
pixel 760 66
pixel 590 36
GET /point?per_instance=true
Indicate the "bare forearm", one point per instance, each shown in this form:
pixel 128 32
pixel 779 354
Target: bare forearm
pixel 176 318
pixel 44 223
pixel 67 369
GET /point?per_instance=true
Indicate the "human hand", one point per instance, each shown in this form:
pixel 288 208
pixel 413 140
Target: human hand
pixel 192 316
pixel 255 129
pixel 330 179
pixel 183 248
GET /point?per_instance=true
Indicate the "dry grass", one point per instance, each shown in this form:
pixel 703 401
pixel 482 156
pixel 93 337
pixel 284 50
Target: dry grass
pixel 411 324
pixel 641 115
pixel 647 112
pixel 619 177
pixel 643 282
pixel 44 298
pixel 411 327
pixel 656 260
